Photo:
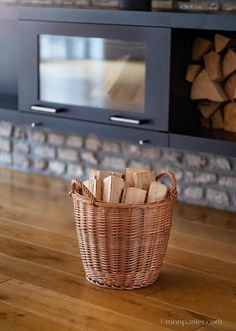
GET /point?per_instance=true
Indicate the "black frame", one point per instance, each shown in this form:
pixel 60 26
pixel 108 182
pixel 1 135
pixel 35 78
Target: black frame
pixel 158 40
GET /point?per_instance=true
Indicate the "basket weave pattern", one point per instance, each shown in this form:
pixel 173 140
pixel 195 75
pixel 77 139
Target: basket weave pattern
pixel 122 245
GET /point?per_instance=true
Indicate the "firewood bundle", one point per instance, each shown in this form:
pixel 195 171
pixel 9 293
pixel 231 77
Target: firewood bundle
pixel 213 78
pixel 136 185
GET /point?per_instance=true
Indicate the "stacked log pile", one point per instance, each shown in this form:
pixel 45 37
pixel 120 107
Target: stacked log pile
pixel 212 74
pixel 134 186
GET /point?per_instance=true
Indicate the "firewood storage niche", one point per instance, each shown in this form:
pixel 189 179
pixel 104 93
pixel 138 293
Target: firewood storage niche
pixel 186 120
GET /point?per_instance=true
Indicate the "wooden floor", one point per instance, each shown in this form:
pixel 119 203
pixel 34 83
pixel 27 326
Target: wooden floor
pixel 42 284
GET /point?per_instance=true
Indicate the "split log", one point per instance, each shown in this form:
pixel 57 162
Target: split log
pixel 230 117
pixel 222 42
pixel 217 121
pixel 157 192
pixel 143 179
pixel 99 174
pixel 95 187
pixel 201 46
pixel 126 186
pixel 135 195
pixel 213 62
pixel 112 189
pixel 205 122
pixel 229 63
pixel 192 72
pixel 129 174
pixel 204 88
pixel 230 87
pixel 207 108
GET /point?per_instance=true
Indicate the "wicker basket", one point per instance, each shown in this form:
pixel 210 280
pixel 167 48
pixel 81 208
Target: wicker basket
pixel 122 245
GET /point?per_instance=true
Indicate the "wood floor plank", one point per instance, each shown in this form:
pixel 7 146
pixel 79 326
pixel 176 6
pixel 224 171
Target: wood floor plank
pixel 204 215
pixel 202 246
pixel 220 327
pixel 44 213
pixel 36 200
pixel 63 223
pixel 173 288
pixel 211 266
pixel 60 223
pixel 68 262
pixel 186 289
pixel 201 325
pixel 42 255
pixel 15 318
pixel 43 237
pixel 39 204
pixel 191 213
pixel 48 209
pixel 200 230
pixel 69 310
pixel 3 278
pixel 133 303
pixel 68 244
pixel 33 181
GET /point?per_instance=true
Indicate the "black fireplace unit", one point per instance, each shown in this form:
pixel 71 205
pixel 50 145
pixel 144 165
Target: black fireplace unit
pixel 118 74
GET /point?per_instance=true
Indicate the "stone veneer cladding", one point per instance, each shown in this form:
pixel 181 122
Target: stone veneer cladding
pixel 203 179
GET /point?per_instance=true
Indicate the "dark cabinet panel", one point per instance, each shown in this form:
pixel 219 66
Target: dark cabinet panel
pixel 204 144
pixel 8 63
pixel 137 136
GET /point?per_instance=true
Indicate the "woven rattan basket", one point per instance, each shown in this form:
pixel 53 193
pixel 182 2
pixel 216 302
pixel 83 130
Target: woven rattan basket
pixel 122 245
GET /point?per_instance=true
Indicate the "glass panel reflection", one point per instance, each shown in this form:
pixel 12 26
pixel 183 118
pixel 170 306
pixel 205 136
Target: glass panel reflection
pixel 92 72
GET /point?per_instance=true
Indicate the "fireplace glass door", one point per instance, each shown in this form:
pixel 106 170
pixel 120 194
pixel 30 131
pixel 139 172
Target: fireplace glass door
pixel 101 73
pixel 92 72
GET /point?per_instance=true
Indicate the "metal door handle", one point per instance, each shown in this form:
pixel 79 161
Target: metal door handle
pixel 46 109
pixel 34 124
pixel 126 120
pixel 143 142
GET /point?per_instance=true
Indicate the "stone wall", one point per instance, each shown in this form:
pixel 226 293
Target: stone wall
pixel 203 179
